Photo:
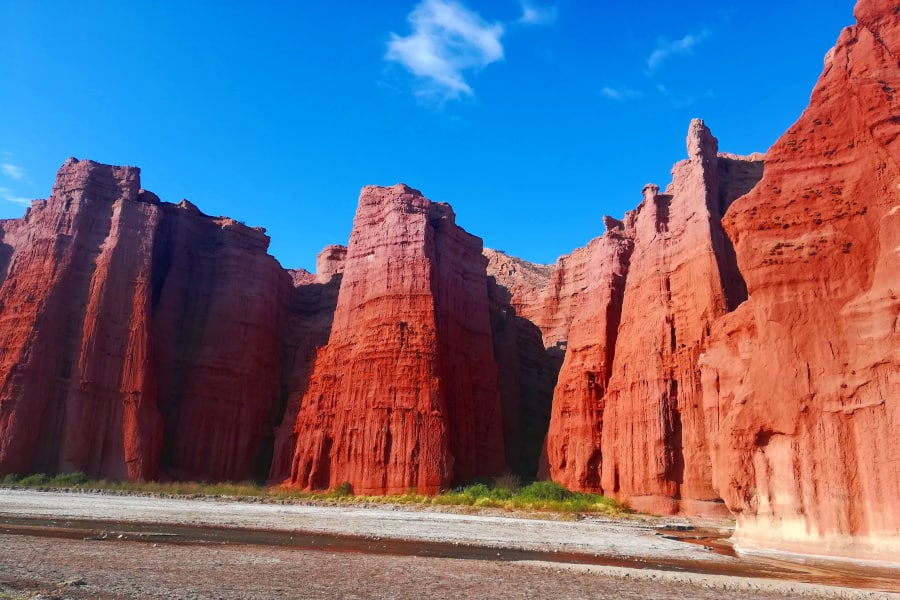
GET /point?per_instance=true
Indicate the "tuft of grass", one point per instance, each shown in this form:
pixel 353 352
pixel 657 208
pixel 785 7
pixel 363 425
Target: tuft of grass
pixel 11 479
pixel 75 479
pixel 543 491
pixel 36 480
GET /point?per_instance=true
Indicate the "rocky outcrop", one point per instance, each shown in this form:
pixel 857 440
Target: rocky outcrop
pixel 404 395
pixel 627 419
pixel 801 384
pixel 139 339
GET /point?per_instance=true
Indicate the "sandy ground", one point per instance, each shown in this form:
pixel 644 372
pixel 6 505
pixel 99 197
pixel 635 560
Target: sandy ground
pixel 468 555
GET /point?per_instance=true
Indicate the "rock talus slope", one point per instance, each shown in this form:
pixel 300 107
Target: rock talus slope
pixel 801 384
pixel 404 395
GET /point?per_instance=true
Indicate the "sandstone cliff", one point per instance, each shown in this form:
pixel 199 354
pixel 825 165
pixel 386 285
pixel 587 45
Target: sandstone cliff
pixel 801 384
pixel 140 339
pixel 404 395
pixel 626 415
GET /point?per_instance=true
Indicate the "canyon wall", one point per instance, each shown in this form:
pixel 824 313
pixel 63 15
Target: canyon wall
pixel 732 344
pixel 801 384
pixel 405 394
pixel 139 339
pixel 627 418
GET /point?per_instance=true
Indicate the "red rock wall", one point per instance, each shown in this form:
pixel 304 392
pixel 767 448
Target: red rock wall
pixel 573 452
pixel 626 418
pixel 802 382
pixel 139 339
pixel 218 318
pixel 654 438
pixel 312 307
pixel 75 341
pixel 405 394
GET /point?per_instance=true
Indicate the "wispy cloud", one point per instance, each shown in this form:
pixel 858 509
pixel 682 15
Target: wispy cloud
pixel 7 195
pixel 666 48
pixel 11 170
pixel 447 42
pixel 535 14
pixel 619 93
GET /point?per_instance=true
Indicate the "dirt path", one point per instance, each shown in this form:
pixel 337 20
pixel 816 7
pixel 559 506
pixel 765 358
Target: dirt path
pixel 150 547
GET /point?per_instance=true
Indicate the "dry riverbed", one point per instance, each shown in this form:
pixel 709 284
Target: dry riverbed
pixel 88 545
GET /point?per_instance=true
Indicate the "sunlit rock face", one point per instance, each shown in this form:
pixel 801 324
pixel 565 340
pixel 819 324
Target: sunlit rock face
pixel 405 393
pixel 801 384
pixel 627 417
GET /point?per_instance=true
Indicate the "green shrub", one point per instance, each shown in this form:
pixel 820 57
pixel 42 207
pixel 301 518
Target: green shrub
pixel 476 490
pixel 11 479
pixel 36 480
pixel 545 491
pixel 70 479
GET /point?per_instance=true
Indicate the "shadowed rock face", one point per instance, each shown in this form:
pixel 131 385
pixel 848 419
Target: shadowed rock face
pixel 801 384
pixel 404 395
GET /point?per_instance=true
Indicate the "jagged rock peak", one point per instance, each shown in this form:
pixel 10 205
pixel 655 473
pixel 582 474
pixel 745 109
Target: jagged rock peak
pixel 96 180
pixel 701 144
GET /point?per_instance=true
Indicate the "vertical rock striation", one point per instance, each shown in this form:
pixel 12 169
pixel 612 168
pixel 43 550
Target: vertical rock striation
pixel 801 384
pixel 639 302
pixel 404 395
pixel 139 339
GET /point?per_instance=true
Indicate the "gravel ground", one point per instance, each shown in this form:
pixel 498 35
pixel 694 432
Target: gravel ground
pixel 37 566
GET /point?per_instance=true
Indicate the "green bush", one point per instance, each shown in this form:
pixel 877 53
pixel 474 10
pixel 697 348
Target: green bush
pixel 38 479
pixel 476 490
pixel 545 491
pixel 11 479
pixel 70 479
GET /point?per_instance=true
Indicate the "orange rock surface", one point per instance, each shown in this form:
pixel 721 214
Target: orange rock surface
pixel 801 384
pixel 405 393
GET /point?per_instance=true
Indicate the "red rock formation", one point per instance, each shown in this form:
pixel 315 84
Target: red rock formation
pixel 802 382
pixel 136 335
pixel 405 393
pixel 312 307
pixel 73 385
pixel 218 315
pixel 573 441
pixel 654 451
pixel 626 415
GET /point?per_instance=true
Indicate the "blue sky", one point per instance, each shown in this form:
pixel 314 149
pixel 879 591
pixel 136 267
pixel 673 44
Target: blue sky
pixel 533 119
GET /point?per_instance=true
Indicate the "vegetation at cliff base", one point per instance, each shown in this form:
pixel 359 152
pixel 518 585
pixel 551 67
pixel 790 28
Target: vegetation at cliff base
pixel 505 492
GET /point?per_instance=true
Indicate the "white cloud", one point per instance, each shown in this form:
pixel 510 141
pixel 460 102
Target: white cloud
pixel 14 171
pixel 665 49
pixel 619 93
pixel 447 41
pixel 533 14
pixel 6 194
